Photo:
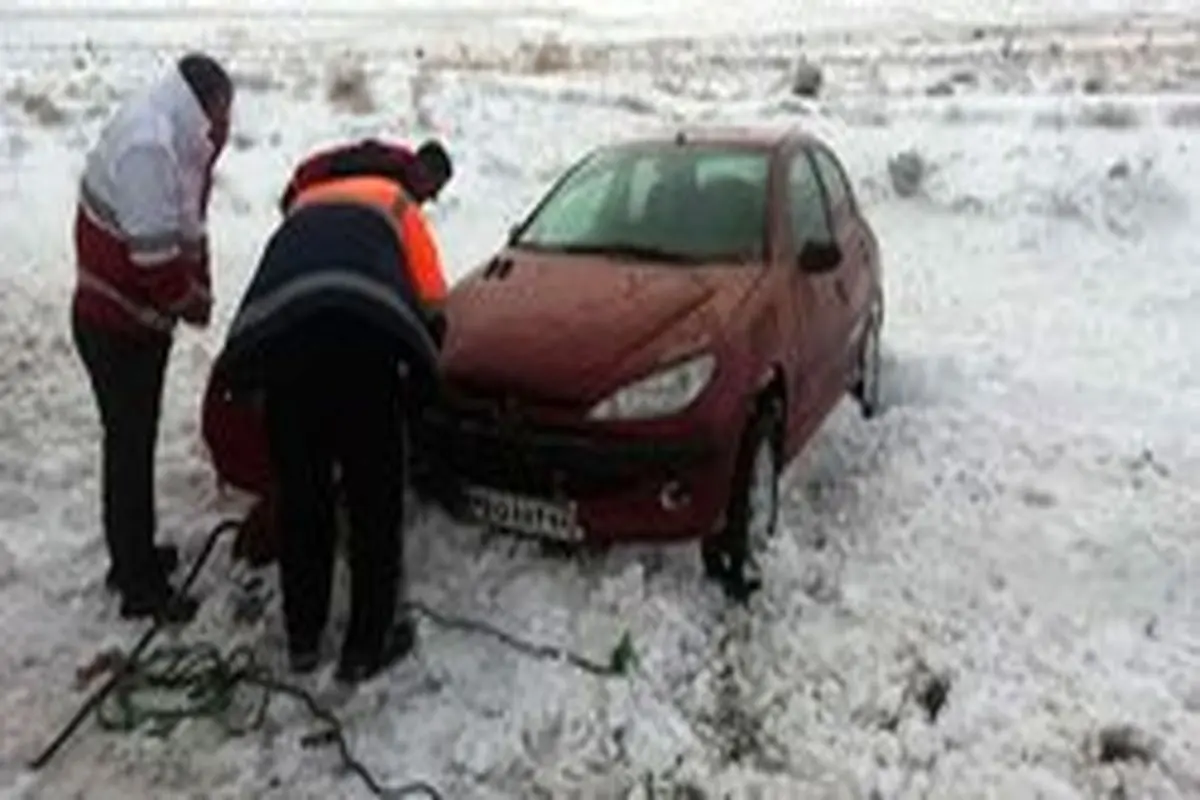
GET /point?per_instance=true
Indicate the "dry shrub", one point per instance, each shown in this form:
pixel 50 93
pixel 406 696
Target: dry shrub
pixel 1115 116
pixel 807 78
pixel 955 114
pixel 1094 84
pixel 634 104
pixel 1058 119
pixel 243 141
pixel 1184 115
pixel 421 87
pixel 550 56
pixel 907 171
pixel 1061 203
pixel 864 115
pixel 299 73
pixel 940 89
pixel 37 105
pixel 349 89
pixel 258 82
pixel 44 110
pixel 465 58
pixel 17 145
pixel 1122 743
pixel 547 57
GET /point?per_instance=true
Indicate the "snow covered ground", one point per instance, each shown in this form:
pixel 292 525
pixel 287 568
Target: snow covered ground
pixel 1020 528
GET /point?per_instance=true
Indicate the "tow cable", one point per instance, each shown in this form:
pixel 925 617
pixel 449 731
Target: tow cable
pixel 208 680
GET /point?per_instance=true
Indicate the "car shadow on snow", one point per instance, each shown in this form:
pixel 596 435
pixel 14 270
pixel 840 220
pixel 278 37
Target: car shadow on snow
pixel 829 483
pixel 919 380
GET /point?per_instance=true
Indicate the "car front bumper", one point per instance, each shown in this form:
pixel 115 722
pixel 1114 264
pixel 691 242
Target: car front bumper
pixel 620 488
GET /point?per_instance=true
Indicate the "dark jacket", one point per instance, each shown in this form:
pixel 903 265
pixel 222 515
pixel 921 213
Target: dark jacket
pixel 329 257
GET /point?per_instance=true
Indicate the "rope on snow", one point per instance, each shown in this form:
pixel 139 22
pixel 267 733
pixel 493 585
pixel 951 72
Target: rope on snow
pixel 204 682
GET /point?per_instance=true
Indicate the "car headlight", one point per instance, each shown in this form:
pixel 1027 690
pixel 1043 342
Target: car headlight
pixel 664 393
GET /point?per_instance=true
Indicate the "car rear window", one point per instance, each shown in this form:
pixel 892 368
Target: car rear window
pixel 703 203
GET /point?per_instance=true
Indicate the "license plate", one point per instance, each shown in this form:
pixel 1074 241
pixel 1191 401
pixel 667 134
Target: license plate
pixel 527 515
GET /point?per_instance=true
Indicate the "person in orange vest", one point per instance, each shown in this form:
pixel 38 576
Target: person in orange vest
pixel 338 332
pixel 233 431
pixel 423 172
pixel 142 259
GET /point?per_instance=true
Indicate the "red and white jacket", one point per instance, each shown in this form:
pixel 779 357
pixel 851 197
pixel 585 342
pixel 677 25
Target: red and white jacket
pixel 141 243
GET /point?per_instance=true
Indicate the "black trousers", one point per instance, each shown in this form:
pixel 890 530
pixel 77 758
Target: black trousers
pixel 334 397
pixel 127 375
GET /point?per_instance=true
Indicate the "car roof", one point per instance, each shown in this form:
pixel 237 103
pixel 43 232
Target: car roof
pixel 758 136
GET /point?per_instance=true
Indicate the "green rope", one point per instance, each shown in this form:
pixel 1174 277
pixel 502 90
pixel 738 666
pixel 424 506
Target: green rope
pixel 177 682
pixel 173 683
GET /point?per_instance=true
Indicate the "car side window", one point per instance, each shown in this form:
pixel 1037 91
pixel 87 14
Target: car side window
pixel 834 178
pixel 808 216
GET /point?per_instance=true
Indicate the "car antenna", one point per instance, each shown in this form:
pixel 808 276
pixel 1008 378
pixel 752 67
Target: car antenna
pixel 680 138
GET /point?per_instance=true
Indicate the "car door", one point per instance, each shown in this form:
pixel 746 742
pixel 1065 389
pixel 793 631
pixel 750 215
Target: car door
pixel 817 307
pixel 854 279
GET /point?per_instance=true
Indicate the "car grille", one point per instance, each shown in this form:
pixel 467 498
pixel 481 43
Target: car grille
pixel 516 456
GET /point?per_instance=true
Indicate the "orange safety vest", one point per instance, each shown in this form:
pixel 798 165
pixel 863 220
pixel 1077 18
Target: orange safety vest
pixel 412 228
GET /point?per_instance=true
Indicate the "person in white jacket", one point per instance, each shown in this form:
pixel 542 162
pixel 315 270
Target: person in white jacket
pixel 142 261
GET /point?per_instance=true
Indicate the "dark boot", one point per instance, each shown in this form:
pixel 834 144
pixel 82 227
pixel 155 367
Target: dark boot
pixel 303 659
pixel 161 603
pixel 167 556
pixel 357 666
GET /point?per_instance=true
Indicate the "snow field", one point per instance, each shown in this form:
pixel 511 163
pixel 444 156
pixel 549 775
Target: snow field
pixel 1017 532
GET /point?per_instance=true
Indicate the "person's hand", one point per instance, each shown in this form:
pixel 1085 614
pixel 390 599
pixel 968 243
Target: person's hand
pixel 197 250
pixel 436 322
pixel 199 312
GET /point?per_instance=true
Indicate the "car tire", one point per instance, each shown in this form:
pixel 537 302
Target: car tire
pixel 867 389
pixel 731 556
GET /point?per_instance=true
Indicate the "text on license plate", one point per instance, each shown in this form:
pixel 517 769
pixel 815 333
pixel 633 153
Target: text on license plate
pixel 524 514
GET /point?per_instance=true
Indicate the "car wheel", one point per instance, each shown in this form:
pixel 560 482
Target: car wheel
pixel 732 556
pixel 867 389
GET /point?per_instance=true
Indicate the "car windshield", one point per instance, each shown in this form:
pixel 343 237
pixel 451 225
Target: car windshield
pixel 684 204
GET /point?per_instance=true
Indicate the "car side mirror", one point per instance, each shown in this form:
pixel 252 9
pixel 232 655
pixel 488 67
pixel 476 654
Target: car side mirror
pixel 817 258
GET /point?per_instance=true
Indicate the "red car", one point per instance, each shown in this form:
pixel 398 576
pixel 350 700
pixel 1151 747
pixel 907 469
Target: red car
pixel 661 335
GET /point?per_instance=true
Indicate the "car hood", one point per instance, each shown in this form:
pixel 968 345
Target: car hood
pixel 569 329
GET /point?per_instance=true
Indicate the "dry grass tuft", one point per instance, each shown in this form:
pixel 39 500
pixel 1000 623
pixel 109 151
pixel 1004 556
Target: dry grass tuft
pixel 349 89
pixel 1184 115
pixel 1114 116
pixel 39 106
pixel 548 57
pixel 256 82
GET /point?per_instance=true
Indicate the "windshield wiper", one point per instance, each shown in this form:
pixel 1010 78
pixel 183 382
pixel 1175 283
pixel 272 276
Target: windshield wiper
pixel 629 250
